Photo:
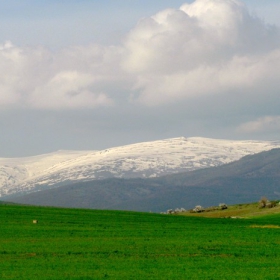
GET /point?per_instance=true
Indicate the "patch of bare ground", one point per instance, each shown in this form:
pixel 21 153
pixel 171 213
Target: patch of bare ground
pixel 264 226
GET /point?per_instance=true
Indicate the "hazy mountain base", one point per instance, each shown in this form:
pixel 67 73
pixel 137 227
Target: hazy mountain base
pixel 121 194
pixel 242 181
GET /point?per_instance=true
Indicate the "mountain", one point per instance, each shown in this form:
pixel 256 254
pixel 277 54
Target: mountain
pixel 141 160
pixel 242 181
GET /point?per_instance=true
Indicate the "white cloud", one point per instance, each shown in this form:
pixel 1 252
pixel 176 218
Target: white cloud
pixel 72 78
pixel 68 89
pixel 208 47
pixel 263 124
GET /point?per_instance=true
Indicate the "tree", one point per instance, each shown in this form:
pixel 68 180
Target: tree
pixel 263 202
pixel 223 206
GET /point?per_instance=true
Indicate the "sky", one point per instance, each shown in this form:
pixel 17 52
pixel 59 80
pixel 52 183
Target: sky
pixel 90 75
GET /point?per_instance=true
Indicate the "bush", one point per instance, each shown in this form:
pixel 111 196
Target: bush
pixel 271 204
pixel 198 209
pixel 212 208
pixel 223 206
pixel 263 202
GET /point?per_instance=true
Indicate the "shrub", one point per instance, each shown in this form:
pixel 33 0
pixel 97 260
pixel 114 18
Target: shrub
pixel 211 209
pixel 263 202
pixel 198 209
pixel 223 206
pixel 271 204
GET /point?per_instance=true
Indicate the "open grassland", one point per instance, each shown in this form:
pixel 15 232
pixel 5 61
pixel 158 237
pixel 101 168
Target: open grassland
pixel 87 244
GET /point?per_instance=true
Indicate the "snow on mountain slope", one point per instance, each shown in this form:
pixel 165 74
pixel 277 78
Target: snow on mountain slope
pixel 148 159
pixel 14 171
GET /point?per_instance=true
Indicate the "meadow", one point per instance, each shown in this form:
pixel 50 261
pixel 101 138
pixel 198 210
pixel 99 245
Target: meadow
pixel 93 244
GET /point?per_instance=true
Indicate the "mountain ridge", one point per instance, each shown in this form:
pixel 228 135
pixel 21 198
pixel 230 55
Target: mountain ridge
pixel 242 181
pixel 144 160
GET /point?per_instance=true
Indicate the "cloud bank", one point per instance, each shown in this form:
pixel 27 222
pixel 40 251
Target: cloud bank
pixel 207 48
pixel 263 124
pixel 76 77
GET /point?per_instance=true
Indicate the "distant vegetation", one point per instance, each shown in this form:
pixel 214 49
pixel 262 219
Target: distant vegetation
pixel 263 207
pixel 91 244
pixel 235 211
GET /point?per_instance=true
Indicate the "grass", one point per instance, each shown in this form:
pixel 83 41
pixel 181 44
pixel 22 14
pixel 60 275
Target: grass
pixel 249 210
pixel 88 244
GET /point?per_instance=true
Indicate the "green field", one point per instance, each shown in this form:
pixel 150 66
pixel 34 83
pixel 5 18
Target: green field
pixel 87 244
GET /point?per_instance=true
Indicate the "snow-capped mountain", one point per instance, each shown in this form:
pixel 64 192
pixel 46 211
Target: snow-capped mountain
pixel 147 159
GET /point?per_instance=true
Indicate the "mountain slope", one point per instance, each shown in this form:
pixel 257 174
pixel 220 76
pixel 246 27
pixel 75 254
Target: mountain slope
pixel 145 160
pixel 238 182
